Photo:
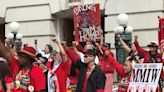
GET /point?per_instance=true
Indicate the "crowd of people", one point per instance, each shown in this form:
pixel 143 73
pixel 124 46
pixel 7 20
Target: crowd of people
pixel 77 68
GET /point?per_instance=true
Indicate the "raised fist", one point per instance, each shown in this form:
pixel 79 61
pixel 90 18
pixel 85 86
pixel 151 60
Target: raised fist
pixel 17 42
pixel 74 43
pixel 35 41
pixel 55 40
pixel 135 38
pixel 118 36
pixel 63 43
pixel 7 42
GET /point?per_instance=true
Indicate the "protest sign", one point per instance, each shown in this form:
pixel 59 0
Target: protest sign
pixel 87 22
pixel 145 77
pixel 161 34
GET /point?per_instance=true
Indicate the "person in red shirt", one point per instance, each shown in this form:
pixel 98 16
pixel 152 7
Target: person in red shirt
pixel 27 76
pixel 73 73
pixel 151 56
pixel 106 67
pixel 124 72
pixel 58 67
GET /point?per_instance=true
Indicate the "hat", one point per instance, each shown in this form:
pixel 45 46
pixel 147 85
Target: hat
pixel 154 44
pixel 91 52
pixel 41 58
pixel 29 51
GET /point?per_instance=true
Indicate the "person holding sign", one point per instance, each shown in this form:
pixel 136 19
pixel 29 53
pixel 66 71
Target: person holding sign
pixel 151 56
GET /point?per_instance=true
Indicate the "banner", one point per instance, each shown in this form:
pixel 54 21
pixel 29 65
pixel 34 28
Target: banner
pixel 145 77
pixel 161 36
pixel 87 22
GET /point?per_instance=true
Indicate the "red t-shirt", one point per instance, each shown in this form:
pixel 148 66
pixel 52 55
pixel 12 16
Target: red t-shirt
pixel 62 77
pixel 74 79
pixel 14 66
pixel 106 65
pixel 37 77
pixel 89 70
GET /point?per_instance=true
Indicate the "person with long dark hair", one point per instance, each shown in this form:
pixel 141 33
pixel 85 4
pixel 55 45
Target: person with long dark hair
pixel 46 53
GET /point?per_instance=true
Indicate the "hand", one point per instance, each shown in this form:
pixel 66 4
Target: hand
pixel 64 44
pixel 35 41
pixel 119 36
pixel 55 40
pixel 136 38
pixel 17 42
pixel 74 43
pixel 7 42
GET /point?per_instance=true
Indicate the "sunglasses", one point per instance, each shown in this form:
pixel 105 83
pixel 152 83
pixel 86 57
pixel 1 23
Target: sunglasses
pixel 88 56
pixel 153 47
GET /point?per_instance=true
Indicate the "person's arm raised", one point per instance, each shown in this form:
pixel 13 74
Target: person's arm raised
pixel 124 45
pixel 62 51
pixel 74 43
pixel 138 47
pixel 141 51
pixel 5 53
